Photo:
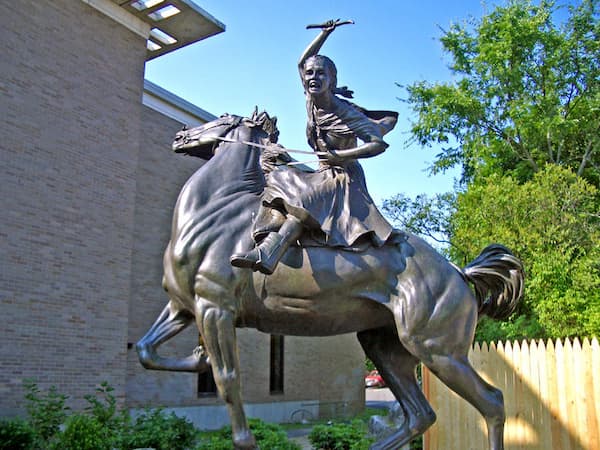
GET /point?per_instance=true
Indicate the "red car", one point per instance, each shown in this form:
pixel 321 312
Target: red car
pixel 373 379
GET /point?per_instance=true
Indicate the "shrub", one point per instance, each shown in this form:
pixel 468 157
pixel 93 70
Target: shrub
pixel 417 443
pixel 340 436
pixel 103 409
pixel 268 436
pixel 160 431
pixel 83 432
pixel 102 426
pixel 16 434
pixel 46 411
pixel 215 442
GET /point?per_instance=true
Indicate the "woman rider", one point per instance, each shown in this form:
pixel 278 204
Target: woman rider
pixel 333 201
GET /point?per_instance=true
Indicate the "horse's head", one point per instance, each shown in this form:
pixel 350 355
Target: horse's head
pixel 202 141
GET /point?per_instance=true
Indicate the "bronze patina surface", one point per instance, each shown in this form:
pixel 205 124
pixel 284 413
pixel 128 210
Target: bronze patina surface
pixel 319 260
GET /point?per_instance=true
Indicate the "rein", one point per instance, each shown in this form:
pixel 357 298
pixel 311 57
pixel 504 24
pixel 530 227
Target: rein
pixel 264 147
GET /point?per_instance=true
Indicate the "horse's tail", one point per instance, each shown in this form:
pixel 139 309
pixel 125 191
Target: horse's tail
pixel 498 278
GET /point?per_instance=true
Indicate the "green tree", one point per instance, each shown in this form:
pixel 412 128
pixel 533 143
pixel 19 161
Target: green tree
pixel 522 119
pixel 526 93
pixel 552 223
pixel 428 216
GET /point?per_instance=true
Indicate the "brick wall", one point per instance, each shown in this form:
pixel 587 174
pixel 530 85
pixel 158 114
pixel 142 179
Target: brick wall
pixel 160 176
pixel 71 89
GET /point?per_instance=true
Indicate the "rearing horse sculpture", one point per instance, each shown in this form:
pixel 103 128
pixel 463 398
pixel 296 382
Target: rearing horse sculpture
pixel 405 302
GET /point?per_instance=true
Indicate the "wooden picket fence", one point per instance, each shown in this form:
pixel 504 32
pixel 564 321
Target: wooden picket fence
pixel 551 394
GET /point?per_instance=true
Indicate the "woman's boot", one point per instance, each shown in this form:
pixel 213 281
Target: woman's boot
pixel 269 252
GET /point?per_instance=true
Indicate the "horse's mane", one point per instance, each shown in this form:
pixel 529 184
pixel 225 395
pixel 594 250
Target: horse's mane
pixel 252 178
pixel 267 123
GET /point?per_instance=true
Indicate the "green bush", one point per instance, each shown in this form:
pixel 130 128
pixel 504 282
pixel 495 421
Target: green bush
pixel 116 425
pixel 417 443
pixel 83 432
pixel 46 412
pixel 215 442
pixel 103 427
pixel 340 436
pixel 104 409
pixel 268 436
pixel 16 434
pixel 160 431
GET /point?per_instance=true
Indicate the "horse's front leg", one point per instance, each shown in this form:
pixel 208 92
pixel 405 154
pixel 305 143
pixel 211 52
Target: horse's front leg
pixel 218 330
pixel 170 322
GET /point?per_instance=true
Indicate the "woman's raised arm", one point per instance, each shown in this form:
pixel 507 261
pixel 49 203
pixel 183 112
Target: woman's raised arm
pixel 314 47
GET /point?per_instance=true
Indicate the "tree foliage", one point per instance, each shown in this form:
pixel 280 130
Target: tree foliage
pixel 526 93
pixel 423 215
pixel 522 120
pixel 552 223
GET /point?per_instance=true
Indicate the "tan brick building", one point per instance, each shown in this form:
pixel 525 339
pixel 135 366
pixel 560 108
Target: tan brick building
pixel 87 188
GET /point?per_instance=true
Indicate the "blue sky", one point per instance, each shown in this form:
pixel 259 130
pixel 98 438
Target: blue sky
pixel 254 62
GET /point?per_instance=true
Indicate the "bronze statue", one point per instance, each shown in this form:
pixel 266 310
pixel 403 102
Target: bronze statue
pixel 332 202
pixel 405 301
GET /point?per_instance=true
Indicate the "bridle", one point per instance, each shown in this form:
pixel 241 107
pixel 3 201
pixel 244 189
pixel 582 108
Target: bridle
pixel 235 122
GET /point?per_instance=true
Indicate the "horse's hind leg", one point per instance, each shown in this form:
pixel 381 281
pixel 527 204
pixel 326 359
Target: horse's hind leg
pixel 443 343
pixel 397 367
pixel 458 375
pixel 169 323
pixel 218 330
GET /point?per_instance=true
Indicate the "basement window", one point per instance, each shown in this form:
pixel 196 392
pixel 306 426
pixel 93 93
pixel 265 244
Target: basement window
pixel 276 365
pixel 206 386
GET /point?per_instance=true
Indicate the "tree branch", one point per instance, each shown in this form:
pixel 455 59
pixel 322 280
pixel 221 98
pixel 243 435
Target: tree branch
pixel 586 157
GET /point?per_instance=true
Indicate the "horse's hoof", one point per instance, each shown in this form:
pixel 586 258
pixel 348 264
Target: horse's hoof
pixel 244 441
pixel 200 353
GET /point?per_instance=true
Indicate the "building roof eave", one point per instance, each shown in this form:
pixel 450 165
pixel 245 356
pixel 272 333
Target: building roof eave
pixel 173 24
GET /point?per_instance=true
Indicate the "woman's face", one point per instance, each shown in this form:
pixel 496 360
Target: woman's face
pixel 317 79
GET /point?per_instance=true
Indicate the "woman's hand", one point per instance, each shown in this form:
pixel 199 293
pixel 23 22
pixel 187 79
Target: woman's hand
pixel 334 158
pixel 275 152
pixel 366 150
pixel 331 25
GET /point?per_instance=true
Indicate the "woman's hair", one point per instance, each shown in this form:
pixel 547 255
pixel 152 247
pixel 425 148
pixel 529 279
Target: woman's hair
pixel 329 66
